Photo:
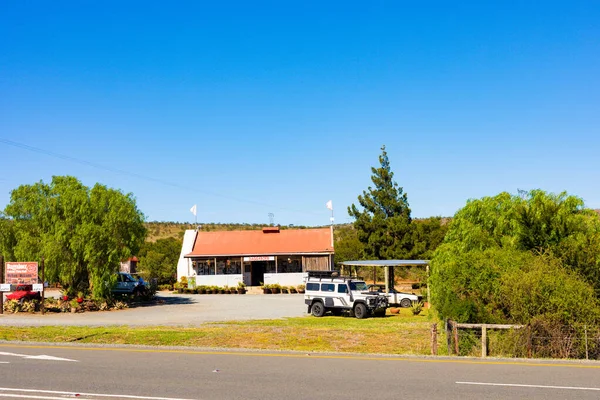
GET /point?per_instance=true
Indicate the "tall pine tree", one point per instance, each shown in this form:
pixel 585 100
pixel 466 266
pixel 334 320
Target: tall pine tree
pixel 384 222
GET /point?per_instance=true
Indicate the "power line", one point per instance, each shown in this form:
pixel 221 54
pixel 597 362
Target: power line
pixel 144 177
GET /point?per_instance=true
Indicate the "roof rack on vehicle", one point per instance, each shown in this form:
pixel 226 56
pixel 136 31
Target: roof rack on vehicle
pixel 323 274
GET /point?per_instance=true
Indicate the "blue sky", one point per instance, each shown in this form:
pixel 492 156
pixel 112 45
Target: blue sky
pixel 251 108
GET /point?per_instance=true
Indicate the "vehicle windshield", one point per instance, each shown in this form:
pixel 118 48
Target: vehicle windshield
pixel 357 285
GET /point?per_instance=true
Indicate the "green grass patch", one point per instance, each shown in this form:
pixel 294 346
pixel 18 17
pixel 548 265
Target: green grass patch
pixel 394 334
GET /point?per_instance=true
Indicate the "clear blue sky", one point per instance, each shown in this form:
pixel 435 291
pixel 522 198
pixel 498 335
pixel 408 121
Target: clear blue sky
pixel 251 108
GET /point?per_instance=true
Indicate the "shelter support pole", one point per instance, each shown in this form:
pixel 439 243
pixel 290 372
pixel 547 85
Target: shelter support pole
pixel 387 279
pixel 374 275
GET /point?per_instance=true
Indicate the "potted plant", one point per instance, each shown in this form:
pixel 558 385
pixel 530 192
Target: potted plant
pixel 74 305
pixel 79 298
pixel 276 288
pixel 284 289
pixel 300 288
pixel 266 288
pixel 241 289
pixel 292 289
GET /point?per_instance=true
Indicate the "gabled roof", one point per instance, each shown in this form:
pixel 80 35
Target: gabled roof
pixel 269 241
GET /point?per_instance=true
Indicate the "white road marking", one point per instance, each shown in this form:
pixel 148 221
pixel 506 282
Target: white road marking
pixel 529 386
pixel 4 362
pixel 74 394
pixel 28 396
pixel 40 357
pixel 50 358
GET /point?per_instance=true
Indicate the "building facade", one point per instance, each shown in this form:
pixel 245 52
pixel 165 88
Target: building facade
pixel 254 257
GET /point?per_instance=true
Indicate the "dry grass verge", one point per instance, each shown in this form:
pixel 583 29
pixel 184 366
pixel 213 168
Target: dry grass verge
pixel 394 334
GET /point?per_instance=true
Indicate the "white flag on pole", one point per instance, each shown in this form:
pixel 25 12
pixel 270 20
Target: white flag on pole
pixel 193 210
pixel 329 205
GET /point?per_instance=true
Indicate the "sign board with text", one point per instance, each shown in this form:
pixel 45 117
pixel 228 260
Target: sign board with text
pixel 21 272
pixel 260 258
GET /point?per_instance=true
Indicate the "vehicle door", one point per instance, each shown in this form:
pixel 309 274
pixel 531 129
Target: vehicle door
pixel 344 295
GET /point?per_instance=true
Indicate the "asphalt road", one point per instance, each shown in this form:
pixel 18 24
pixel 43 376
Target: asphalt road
pixel 176 310
pixel 28 372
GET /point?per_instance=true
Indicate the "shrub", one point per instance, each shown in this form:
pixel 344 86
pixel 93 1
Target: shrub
pixel 11 306
pixel 416 307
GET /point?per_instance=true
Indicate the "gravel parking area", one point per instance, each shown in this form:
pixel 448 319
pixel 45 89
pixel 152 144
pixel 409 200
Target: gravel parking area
pixel 175 310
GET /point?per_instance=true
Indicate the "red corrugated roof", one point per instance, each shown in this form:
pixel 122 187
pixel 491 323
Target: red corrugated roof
pixel 286 241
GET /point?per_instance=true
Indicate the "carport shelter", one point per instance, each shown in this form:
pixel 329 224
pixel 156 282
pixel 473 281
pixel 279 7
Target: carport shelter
pixel 271 255
pixel 389 265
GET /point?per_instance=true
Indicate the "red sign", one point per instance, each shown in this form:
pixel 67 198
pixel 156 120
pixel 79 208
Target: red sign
pixel 21 272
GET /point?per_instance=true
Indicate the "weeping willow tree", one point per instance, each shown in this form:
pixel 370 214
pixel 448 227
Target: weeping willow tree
pixel 514 258
pixel 82 233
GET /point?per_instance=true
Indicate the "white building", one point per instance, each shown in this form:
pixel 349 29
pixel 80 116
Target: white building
pixel 270 255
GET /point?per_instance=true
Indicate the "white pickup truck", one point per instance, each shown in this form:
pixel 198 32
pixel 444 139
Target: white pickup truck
pixel 396 298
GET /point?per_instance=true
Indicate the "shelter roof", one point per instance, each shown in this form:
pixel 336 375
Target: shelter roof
pixel 269 241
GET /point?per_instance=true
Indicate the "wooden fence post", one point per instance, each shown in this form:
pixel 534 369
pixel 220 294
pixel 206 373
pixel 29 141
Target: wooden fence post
pixel 42 308
pixel 448 336
pixel 529 344
pixel 434 339
pixel 484 341
pixel 455 332
pixel 586 343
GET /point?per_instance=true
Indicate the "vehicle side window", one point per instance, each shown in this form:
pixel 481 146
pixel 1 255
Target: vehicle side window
pixel 327 287
pixel 342 288
pixel 312 286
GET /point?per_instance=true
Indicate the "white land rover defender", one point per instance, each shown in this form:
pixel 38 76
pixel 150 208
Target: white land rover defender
pixel 327 291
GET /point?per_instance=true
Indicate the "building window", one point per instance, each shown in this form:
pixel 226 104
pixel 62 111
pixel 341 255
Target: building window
pixel 289 264
pixel 228 266
pixel 204 267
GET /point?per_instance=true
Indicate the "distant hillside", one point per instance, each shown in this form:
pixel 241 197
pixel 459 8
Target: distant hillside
pixel 163 230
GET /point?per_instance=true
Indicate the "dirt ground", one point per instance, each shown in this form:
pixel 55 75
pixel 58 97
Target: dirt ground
pixel 174 310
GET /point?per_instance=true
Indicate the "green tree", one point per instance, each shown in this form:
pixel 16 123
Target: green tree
pixel 427 235
pixel 158 260
pixel 82 233
pixel 383 222
pixel 511 258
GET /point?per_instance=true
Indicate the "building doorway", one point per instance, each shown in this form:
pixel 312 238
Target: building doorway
pixel 258 273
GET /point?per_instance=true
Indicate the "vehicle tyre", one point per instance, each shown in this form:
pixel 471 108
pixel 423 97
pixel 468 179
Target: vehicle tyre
pixel 317 309
pixel 360 311
pixel 405 303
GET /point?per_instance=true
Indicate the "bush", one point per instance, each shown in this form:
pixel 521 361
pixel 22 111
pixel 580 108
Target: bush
pixel 167 287
pixel 416 307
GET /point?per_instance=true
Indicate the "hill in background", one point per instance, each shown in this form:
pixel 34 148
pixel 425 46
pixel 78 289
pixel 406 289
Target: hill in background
pixel 163 230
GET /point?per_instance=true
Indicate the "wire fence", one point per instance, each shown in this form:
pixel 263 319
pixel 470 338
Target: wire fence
pixel 530 341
